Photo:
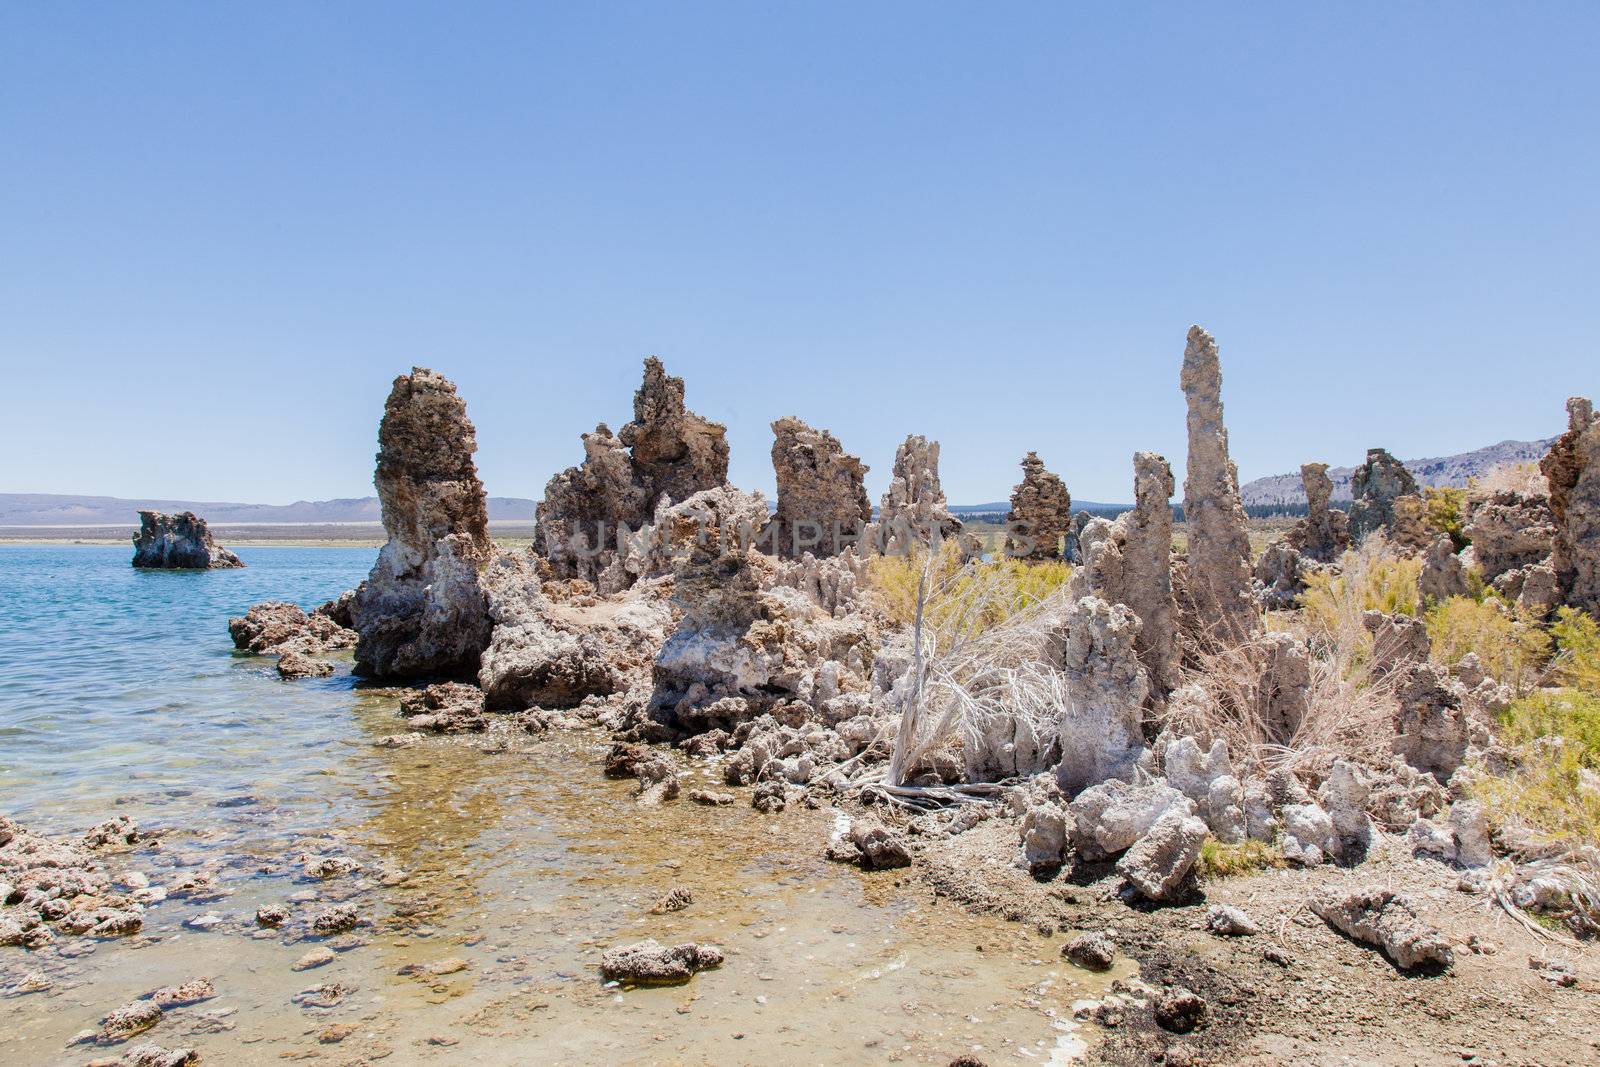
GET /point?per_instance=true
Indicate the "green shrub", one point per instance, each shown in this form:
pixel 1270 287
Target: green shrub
pixel 968 598
pixel 1577 636
pixel 1445 510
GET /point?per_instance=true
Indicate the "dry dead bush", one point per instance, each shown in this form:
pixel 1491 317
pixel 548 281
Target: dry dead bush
pixel 1349 712
pixel 1523 478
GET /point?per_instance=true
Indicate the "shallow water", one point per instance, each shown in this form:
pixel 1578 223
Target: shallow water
pixel 120 693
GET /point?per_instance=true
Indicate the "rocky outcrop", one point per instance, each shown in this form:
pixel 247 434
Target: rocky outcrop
pixel 590 512
pixel 822 495
pixel 1432 727
pixel 1107 819
pixel 178 542
pixel 422 610
pixel 1512 535
pixel 1572 468
pixel 1279 581
pixel 1376 485
pixel 551 650
pixel 1324 532
pixel 913 508
pixel 1159 863
pixel 1130 562
pixel 745 642
pixel 1101 735
pixel 274 628
pixel 1041 512
pixel 1219 577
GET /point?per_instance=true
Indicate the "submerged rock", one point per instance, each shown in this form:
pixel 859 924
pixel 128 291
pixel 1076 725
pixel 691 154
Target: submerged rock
pixel 178 542
pixel 652 963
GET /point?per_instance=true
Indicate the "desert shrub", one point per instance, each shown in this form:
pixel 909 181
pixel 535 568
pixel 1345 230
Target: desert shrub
pixel 1373 577
pixel 1444 509
pixel 1570 716
pixel 1552 793
pixel 968 598
pixel 1577 636
pixel 1218 860
pixel 1508 640
pixel 1524 478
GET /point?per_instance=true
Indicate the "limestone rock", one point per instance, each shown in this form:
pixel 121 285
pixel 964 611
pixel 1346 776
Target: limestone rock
pixel 1159 863
pixel 1573 470
pixel 1443 574
pixel 178 542
pixel 422 610
pixel 446 708
pixel 1229 921
pixel 1279 582
pixel 1285 689
pixel 1101 733
pixel 1207 778
pixel 1324 532
pixel 1219 578
pixel 274 627
pixel 1309 837
pixel 1108 818
pixel 1389 921
pixel 1343 796
pixel 1092 951
pixel 1044 836
pixel 1376 485
pixel 822 495
pixel 1509 531
pixel 298 665
pixel 1432 727
pixel 1398 641
pixel 1041 511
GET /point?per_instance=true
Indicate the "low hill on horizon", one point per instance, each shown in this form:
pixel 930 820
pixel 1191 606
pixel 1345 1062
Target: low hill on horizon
pixel 54 509
pixel 1434 471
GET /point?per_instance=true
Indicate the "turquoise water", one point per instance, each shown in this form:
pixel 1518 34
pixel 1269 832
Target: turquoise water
pixel 123 682
pixel 120 693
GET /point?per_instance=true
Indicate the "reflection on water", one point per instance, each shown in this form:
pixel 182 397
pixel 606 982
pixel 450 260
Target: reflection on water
pixel 492 882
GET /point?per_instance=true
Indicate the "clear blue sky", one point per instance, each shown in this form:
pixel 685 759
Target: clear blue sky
pixel 226 227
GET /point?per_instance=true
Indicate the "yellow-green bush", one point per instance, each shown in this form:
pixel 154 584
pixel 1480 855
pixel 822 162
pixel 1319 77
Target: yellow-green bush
pixel 1509 641
pixel 1569 714
pixel 1577 636
pixel 1552 791
pixel 967 598
pixel 1445 510
pixel 1372 579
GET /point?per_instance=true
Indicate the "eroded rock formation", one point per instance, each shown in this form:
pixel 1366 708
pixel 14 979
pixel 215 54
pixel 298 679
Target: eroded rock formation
pixel 1101 732
pixel 1325 531
pixel 822 495
pixel 1219 575
pixel 913 509
pixel 1376 485
pixel 1041 508
pixel 422 610
pixel 1130 562
pixel 1573 470
pixel 178 542
pixel 665 455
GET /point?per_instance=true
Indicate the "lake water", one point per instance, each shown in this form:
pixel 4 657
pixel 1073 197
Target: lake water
pixel 120 693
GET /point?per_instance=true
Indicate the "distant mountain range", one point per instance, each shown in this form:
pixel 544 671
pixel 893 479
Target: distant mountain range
pixel 49 509
pixel 52 509
pixel 1436 471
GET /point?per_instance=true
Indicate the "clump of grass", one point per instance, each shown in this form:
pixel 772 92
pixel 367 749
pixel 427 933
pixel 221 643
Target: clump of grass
pixel 1508 640
pixel 1445 509
pixel 1218 860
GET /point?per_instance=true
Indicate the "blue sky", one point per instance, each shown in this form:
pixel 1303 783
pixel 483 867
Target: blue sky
pixel 225 228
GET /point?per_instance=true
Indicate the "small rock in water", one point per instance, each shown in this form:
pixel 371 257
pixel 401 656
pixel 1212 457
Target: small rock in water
pixel 272 915
pixel 335 920
pixel 710 798
pixel 156 1056
pixel 209 921
pixel 652 963
pixel 676 899
pixel 181 996
pixel 332 1035
pixel 325 995
pixel 449 965
pixel 317 957
pixel 128 1022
